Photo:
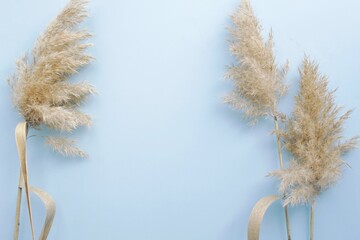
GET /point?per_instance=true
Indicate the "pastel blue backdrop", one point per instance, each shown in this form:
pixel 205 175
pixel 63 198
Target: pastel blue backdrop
pixel 168 159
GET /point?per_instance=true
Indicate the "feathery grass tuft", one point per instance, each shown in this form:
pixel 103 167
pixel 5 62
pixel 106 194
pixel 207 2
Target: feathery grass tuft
pixel 313 135
pixel 65 147
pixel 258 82
pixel 40 87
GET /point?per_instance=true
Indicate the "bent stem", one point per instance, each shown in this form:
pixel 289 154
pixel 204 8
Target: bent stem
pixel 21 132
pixel 312 219
pixel 287 220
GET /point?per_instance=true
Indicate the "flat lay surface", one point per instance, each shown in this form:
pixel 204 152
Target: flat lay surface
pixel 169 160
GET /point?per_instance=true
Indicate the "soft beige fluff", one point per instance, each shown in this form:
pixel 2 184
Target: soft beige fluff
pixel 258 82
pixel 313 135
pixel 41 90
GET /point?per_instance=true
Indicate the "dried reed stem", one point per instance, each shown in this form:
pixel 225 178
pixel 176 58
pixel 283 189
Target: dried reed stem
pixel 278 142
pixel 287 220
pixel 18 206
pixel 312 212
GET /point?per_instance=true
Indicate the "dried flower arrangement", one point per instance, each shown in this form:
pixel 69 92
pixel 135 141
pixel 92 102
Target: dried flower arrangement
pixel 45 98
pixel 313 135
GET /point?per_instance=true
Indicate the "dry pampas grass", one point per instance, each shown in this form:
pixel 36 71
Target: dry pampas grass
pixel 313 135
pixel 40 87
pixel 65 146
pixel 258 82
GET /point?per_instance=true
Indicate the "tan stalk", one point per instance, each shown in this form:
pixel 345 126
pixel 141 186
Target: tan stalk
pixel 48 201
pixel 21 132
pixel 287 220
pixel 312 219
pixel 18 206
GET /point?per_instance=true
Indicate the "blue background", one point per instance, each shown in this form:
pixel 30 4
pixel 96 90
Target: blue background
pixel 168 160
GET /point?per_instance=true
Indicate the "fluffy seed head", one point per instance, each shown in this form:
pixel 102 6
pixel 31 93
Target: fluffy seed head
pixel 41 90
pixel 314 136
pixel 258 82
